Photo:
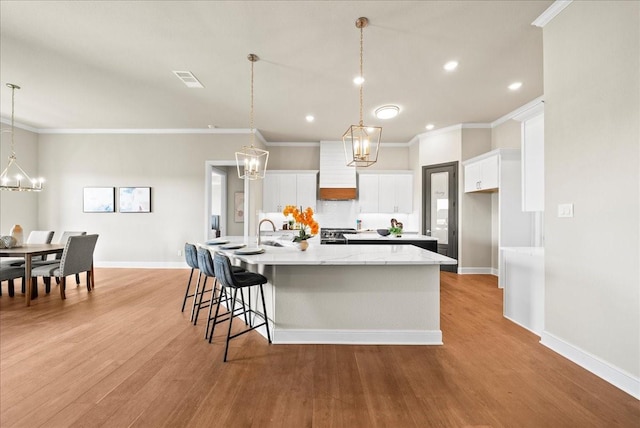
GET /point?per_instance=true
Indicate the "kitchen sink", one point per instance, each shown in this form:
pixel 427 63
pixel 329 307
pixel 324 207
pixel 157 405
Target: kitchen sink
pixel 272 243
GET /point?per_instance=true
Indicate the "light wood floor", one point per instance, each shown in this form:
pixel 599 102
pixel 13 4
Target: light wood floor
pixel 125 355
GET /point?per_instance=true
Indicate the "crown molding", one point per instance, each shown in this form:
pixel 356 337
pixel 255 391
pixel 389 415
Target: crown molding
pixel 518 111
pixel 147 131
pixel 19 125
pixel 551 12
pixel 293 144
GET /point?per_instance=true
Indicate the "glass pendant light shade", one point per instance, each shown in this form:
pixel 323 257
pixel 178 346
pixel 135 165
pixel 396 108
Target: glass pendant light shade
pixel 361 145
pixel 13 177
pixel 361 142
pixel 252 161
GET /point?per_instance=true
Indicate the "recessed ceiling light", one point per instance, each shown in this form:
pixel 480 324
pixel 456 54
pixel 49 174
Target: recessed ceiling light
pixel 430 126
pixel 515 86
pixel 451 65
pixel 309 118
pixel 358 80
pixel 387 112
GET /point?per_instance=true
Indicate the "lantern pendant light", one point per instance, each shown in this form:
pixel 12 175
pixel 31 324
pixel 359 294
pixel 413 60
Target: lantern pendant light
pixel 252 161
pixel 361 142
pixel 14 178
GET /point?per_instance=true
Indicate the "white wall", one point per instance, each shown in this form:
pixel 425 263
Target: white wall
pixel 173 165
pixel 592 159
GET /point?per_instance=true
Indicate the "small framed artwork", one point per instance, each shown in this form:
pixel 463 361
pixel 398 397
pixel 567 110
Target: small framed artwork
pixel 135 200
pixel 238 207
pixel 99 199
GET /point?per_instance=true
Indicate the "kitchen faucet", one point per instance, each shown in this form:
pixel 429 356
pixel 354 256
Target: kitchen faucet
pixel 260 224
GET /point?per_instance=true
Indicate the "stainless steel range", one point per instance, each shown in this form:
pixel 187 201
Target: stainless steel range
pixel 334 235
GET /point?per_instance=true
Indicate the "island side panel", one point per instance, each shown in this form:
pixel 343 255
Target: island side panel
pixel 356 304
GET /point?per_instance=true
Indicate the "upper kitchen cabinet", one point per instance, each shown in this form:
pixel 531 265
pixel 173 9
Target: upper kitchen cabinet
pixel 532 158
pixel 481 174
pixel 389 192
pixel 283 188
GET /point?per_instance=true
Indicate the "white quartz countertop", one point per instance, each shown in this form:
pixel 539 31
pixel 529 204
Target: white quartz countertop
pixel 368 236
pixel 318 254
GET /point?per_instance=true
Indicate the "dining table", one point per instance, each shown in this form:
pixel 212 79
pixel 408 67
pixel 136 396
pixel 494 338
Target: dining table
pixel 28 251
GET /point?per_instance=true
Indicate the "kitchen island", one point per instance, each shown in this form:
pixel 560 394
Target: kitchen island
pixel 349 294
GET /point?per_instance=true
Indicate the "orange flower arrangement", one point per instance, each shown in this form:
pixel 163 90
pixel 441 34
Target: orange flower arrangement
pixel 308 226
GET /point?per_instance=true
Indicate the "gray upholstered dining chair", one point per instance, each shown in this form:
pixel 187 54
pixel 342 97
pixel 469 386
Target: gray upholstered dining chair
pixel 9 273
pixel 77 257
pixel 63 240
pixel 35 237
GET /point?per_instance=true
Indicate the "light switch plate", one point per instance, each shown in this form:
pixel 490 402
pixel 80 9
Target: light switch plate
pixel 565 210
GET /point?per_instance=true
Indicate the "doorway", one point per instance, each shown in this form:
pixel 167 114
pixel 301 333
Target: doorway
pixel 440 208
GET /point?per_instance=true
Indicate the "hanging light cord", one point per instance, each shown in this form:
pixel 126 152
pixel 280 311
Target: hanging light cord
pixel 361 72
pixel 13 96
pixel 252 60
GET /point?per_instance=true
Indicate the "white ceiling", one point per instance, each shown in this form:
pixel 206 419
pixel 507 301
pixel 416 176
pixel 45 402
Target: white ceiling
pixel 108 64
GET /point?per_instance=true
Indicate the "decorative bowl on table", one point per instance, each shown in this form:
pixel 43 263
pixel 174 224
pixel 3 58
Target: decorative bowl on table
pixel 383 232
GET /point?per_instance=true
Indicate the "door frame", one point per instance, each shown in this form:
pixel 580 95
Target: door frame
pixel 453 207
pixel 210 168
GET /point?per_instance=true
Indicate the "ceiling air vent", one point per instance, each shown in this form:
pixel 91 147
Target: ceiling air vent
pixel 188 79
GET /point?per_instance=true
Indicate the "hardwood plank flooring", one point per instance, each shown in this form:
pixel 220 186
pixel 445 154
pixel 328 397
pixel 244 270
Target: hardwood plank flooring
pixel 125 356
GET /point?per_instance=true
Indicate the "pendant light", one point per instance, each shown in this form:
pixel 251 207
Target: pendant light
pixel 251 161
pixel 361 142
pixel 14 178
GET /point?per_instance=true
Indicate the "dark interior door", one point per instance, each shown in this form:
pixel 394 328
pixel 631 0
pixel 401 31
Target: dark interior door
pixel 440 208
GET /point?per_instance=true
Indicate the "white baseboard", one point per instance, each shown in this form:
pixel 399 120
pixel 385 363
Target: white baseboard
pixel 358 337
pixel 476 271
pixel 143 265
pixel 615 376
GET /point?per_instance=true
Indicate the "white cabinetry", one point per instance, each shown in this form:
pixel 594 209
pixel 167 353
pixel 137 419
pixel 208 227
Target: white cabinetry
pixel 368 189
pixel 532 158
pixel 390 192
pixel 281 188
pixel 511 227
pixel 481 173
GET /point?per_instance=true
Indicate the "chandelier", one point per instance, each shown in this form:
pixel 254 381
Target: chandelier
pixel 361 142
pixel 13 177
pixel 251 161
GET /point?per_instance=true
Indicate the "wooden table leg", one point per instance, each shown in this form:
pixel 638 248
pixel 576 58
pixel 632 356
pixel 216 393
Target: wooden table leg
pixel 27 278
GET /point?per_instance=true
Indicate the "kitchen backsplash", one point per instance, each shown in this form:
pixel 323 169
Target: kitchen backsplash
pixel 345 214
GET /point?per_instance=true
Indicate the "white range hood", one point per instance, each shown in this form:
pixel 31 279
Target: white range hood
pixel 337 180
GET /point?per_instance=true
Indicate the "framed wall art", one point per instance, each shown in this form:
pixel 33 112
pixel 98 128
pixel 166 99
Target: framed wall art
pixel 99 199
pixel 238 207
pixel 135 200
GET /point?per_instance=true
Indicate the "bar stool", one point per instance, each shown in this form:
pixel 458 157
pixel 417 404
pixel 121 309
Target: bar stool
pixel 191 257
pixel 229 279
pixel 205 265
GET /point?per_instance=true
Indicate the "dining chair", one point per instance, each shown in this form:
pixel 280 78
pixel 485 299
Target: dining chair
pixel 77 257
pixel 9 273
pixel 35 237
pixel 63 240
pixel 228 279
